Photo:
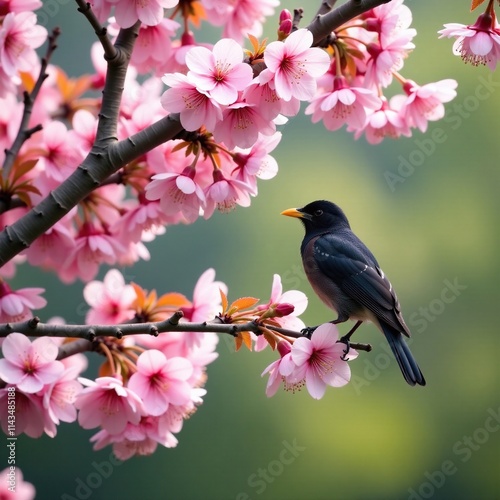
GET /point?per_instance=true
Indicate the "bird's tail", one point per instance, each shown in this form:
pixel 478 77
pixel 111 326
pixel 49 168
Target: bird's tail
pixel 404 357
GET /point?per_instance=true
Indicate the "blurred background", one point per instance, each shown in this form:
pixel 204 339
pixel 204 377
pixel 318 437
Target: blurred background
pixel 435 232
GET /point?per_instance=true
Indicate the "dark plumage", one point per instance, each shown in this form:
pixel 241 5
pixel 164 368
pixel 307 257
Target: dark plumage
pixel 347 278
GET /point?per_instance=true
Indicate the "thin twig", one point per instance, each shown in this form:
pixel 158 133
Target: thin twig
pixel 100 30
pixel 24 133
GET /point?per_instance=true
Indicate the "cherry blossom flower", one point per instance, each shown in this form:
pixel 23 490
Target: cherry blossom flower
pixel 29 365
pixel 177 193
pixel 319 360
pixel 343 105
pixel 196 107
pixel 19 37
pixel 224 194
pixel 476 44
pixel 15 488
pixel 241 125
pixel 153 46
pixel 388 20
pixel 293 66
pixel 385 59
pixel 107 403
pixel 239 17
pixel 160 381
pixel 29 413
pixel 219 71
pixel 17 305
pixel 387 121
pixel 425 103
pixel 149 12
pixel 93 246
pixel 281 368
pixel 111 300
pixel 59 398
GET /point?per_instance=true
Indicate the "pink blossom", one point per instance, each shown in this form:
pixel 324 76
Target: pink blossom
pixel 29 413
pixel 177 193
pixel 149 12
pixel 387 121
pixel 476 44
pixel 281 368
pixel 195 106
pixel 388 20
pixel 343 105
pixel 107 403
pixel 15 488
pixel 294 298
pixel 294 66
pixel 18 6
pixel 425 103
pixel 221 71
pixel 319 360
pixel 57 155
pixel 265 98
pixel 241 125
pixel 387 58
pixel 59 398
pixel 93 246
pixel 224 194
pixel 17 305
pixel 19 37
pixel 153 46
pixel 82 135
pixel 50 249
pixel 110 300
pixel 239 17
pixel 29 365
pixel 256 161
pixel 160 381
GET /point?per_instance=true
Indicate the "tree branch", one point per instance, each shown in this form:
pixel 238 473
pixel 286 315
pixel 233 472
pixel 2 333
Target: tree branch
pixel 100 30
pixel 323 24
pixel 24 133
pixel 89 333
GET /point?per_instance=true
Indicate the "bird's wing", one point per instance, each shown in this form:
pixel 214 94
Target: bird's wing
pixel 349 264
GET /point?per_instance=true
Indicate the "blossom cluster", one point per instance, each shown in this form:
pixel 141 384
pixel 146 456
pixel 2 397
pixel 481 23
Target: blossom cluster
pixel 145 387
pixel 148 385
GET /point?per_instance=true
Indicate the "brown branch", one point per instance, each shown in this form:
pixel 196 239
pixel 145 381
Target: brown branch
pixel 101 32
pixel 87 334
pixel 323 24
pixel 24 133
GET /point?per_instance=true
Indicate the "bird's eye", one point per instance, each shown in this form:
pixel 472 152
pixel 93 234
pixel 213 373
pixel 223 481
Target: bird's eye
pixel 317 213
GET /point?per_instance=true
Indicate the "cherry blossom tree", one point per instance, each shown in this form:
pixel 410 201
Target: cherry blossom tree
pixel 169 129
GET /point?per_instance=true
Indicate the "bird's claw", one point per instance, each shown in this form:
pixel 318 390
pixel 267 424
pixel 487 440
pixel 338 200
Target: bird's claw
pixel 308 331
pixel 345 340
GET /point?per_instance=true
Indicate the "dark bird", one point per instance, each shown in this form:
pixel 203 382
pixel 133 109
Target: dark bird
pixel 347 278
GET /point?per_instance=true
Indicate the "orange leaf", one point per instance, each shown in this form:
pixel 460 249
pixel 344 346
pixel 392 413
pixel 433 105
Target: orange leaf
pixel 224 300
pixel 173 299
pixel 243 338
pixel 23 168
pixel 475 3
pixel 141 295
pixel 243 303
pixel 27 80
pixel 105 370
pixel 271 339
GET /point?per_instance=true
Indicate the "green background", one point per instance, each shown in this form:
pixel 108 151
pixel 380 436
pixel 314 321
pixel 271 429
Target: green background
pixel 376 438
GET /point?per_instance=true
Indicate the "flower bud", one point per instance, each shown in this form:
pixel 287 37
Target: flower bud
pixel 284 15
pixel 284 347
pixel 284 309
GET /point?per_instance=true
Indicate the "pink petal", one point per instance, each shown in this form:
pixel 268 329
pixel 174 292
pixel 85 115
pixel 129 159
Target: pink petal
pixel 185 184
pixel 315 386
pixel 15 348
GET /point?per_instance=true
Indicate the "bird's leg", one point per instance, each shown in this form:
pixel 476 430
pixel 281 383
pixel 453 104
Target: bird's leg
pixel 347 337
pixel 309 330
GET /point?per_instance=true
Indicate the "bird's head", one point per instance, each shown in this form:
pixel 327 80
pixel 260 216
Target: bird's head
pixel 319 216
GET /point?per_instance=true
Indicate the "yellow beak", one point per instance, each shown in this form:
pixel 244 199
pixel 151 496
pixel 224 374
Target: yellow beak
pixel 293 212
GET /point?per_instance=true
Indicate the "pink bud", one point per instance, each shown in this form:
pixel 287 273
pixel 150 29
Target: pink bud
pixel 285 27
pixel 283 309
pixel 284 347
pixel 188 38
pixel 284 15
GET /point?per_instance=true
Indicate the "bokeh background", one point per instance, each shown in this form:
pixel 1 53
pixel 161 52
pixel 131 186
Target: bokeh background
pixel 435 232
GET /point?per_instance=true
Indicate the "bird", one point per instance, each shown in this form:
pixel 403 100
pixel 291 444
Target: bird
pixel 346 276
